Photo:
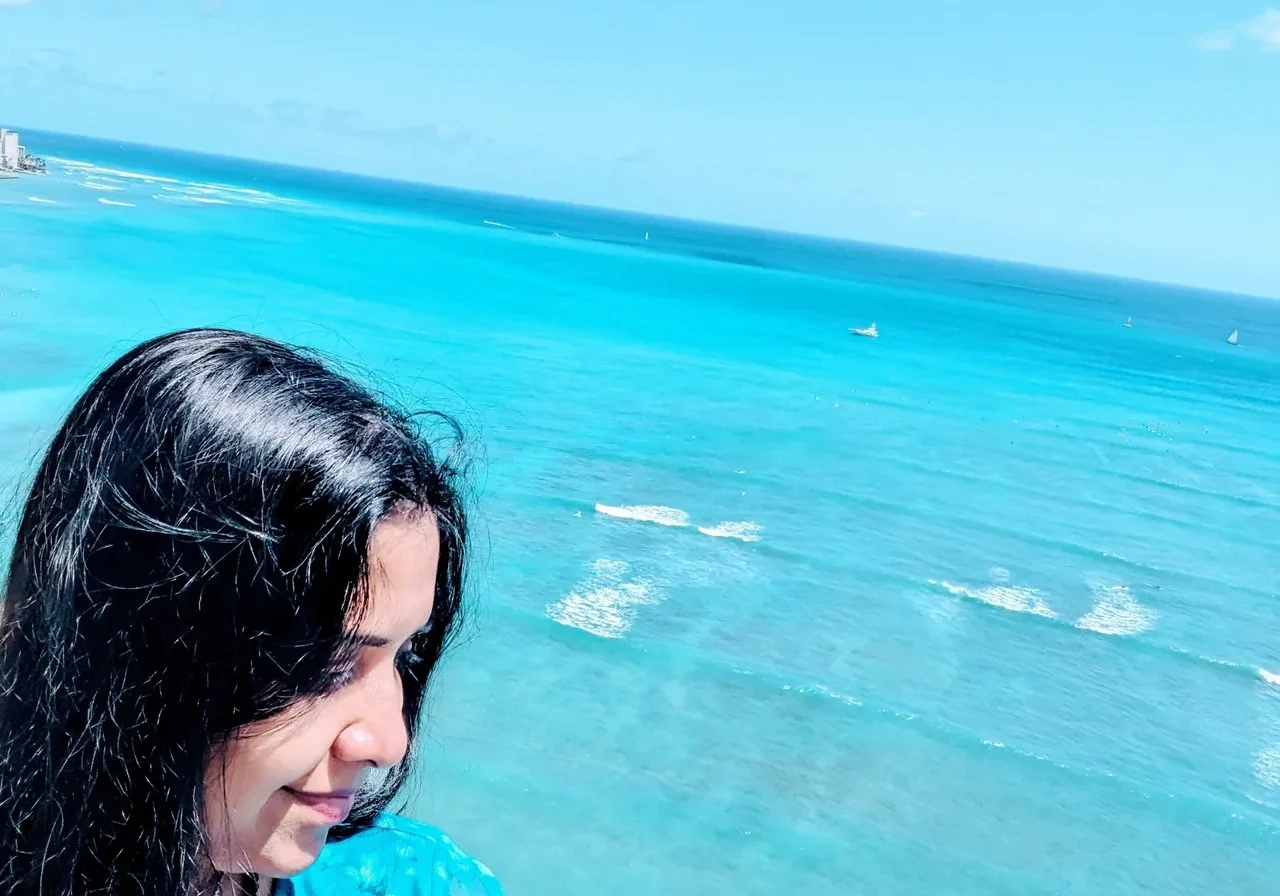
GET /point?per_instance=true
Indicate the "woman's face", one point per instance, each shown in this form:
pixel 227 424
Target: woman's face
pixel 285 784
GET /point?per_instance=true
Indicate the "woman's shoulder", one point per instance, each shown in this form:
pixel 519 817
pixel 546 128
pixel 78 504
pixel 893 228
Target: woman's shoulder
pixel 395 857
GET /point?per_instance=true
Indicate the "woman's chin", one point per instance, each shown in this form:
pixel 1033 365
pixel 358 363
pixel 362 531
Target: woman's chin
pixel 294 855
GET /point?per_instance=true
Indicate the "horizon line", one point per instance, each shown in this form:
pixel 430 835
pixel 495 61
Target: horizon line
pixel 659 216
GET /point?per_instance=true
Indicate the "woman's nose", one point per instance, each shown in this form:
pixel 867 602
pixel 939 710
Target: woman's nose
pixel 377 735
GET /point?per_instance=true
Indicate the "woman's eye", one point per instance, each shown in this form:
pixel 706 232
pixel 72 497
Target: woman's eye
pixel 409 658
pixel 413 654
pixel 415 651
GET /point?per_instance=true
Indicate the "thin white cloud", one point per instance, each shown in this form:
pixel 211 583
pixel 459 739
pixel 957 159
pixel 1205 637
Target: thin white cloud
pixel 13 2
pixel 1216 41
pixel 1263 30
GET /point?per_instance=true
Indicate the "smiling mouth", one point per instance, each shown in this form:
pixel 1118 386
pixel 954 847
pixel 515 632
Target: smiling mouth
pixel 332 807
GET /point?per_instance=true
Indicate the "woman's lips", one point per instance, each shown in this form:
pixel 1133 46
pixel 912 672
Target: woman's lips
pixel 333 806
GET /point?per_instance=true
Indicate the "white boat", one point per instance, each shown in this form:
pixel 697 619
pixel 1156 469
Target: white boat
pixel 1234 338
pixel 870 332
pixel 1128 321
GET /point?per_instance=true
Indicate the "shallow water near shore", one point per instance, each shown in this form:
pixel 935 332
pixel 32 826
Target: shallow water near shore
pixel 990 604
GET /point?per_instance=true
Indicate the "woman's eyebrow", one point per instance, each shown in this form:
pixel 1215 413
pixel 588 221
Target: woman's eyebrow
pixel 363 639
pixel 374 641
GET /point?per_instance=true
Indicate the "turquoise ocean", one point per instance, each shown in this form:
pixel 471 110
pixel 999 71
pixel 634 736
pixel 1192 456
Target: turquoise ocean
pixel 988 605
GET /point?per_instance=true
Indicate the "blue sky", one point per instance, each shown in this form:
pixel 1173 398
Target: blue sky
pixel 1138 138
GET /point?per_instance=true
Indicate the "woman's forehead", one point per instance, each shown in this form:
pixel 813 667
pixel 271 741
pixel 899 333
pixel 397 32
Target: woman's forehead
pixel 404 555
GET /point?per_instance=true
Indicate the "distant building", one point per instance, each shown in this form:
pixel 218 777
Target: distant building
pixel 13 155
pixel 10 152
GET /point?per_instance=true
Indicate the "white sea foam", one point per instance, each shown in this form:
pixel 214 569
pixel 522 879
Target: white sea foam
pixel 220 194
pixel 106 201
pixel 193 194
pixel 178 196
pixel 1014 598
pixel 241 194
pixel 88 168
pixel 744 531
pixel 41 201
pixel 646 513
pixel 825 691
pixel 98 185
pixel 1266 767
pixel 1116 611
pixel 1269 677
pixel 228 188
pixel 605 604
pixel 96 177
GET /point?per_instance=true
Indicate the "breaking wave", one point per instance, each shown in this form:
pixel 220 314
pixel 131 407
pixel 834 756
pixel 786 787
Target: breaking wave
pixel 1014 598
pixel 744 531
pixel 646 513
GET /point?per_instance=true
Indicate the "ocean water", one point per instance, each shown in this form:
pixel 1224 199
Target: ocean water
pixel 989 605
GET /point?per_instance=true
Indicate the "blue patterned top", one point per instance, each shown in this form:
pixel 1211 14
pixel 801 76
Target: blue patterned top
pixel 395 857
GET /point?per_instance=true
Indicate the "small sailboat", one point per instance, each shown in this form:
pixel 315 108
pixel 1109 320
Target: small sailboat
pixel 1234 338
pixel 870 332
pixel 1128 322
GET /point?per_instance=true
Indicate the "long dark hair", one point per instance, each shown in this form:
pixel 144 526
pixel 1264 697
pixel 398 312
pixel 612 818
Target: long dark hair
pixel 189 560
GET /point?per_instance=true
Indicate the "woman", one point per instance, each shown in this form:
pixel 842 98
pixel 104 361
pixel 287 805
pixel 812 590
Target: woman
pixel 232 579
